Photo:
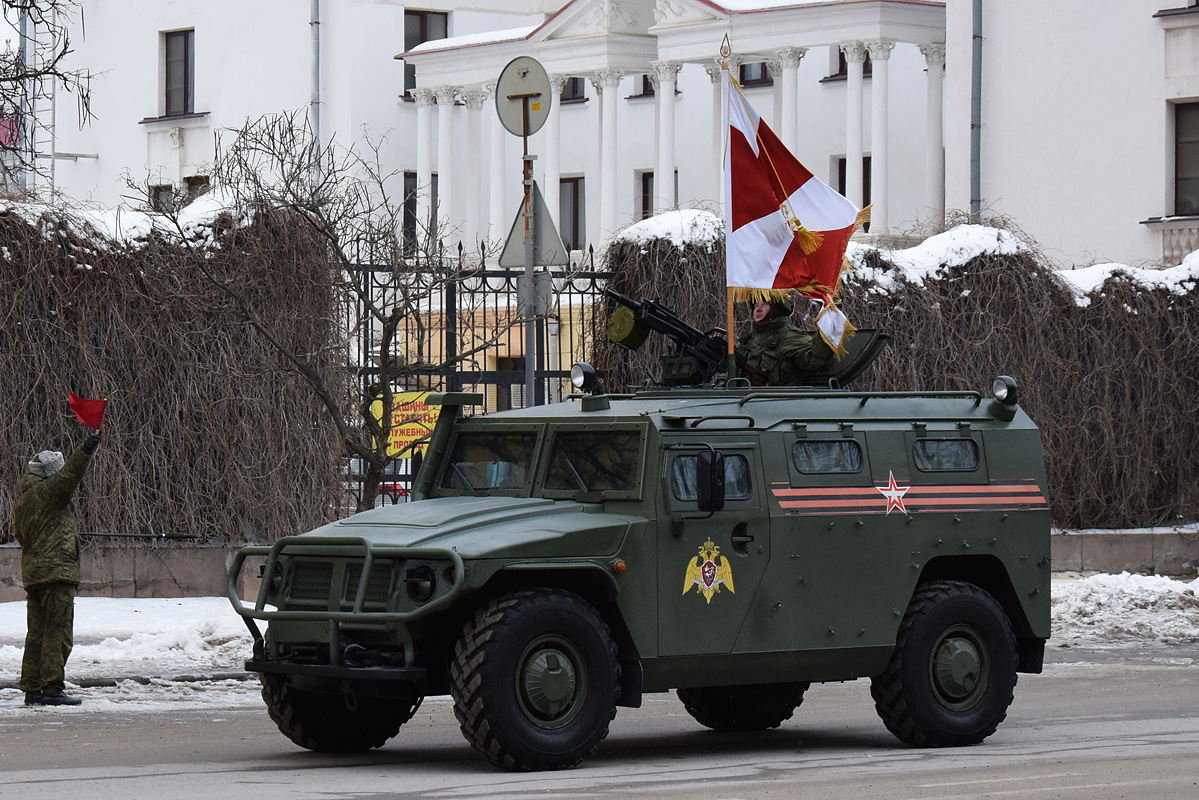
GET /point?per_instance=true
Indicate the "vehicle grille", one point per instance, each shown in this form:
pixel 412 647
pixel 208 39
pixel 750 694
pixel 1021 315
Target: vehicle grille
pixel 310 580
pixel 378 585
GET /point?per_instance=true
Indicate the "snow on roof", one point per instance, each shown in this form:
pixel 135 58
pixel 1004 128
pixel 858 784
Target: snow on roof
pixel 685 226
pixel 473 39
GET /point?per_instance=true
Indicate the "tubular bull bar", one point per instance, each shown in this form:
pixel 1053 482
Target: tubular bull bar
pixel 335 547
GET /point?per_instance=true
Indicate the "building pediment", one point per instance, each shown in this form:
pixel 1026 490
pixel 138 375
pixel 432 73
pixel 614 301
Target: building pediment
pixel 584 18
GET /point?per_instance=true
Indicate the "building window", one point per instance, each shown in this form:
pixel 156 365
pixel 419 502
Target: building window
pixel 421 27
pixel 644 86
pixel 179 78
pixel 843 66
pixel 865 182
pixel 196 186
pixel 1186 159
pixel 409 228
pixel 756 74
pixel 571 213
pixel 646 205
pixel 162 198
pixel 575 91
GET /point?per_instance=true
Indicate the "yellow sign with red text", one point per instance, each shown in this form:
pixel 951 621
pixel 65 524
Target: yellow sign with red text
pixel 412 419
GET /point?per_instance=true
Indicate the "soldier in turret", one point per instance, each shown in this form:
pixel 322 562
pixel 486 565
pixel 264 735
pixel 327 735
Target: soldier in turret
pixel 780 350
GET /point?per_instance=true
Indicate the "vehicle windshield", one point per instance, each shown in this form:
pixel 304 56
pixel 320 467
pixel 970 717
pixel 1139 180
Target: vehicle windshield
pixel 595 461
pixel 483 460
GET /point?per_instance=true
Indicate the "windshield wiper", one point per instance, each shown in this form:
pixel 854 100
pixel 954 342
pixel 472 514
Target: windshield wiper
pixel 462 475
pixel 578 478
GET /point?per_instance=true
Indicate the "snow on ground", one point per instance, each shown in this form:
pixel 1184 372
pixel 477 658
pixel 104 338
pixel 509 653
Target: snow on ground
pixel 146 653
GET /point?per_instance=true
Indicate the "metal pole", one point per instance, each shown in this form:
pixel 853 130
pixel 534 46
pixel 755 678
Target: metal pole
pixel 976 114
pixel 531 292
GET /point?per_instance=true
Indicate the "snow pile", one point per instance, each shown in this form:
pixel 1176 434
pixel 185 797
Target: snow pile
pixel 685 226
pixel 124 637
pixel 934 255
pixel 1119 608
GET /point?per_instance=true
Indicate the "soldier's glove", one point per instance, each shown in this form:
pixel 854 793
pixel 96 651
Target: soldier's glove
pixel 92 443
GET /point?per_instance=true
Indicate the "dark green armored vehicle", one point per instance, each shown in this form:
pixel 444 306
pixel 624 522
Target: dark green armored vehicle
pixel 734 544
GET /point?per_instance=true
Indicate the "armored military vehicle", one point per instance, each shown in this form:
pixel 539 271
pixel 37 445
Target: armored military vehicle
pixel 735 544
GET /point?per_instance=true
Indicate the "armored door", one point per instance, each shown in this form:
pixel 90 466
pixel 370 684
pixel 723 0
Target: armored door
pixel 709 564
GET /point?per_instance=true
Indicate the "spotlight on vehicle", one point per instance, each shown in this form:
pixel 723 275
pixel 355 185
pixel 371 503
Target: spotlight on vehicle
pixel 583 376
pixel 421 583
pixel 1005 390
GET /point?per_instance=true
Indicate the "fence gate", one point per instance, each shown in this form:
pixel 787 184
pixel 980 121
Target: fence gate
pixel 471 337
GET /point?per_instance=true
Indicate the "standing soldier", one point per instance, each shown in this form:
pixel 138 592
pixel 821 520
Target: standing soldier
pixel 781 351
pixel 48 535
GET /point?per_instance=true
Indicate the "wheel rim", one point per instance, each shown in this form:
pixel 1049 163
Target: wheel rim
pixel 959 668
pixel 551 683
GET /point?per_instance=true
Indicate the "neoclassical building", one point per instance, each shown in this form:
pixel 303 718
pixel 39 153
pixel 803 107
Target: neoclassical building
pixel 636 88
pixel 1079 122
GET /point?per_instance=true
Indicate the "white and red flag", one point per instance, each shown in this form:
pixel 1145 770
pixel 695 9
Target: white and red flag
pixel 785 228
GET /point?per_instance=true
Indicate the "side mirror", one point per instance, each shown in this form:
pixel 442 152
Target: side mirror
pixel 709 480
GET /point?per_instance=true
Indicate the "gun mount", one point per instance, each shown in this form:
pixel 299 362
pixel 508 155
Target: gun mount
pixel 700 356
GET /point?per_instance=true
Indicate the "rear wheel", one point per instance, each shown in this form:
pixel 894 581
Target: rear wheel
pixel 334 723
pixel 535 680
pixel 743 708
pixel 951 677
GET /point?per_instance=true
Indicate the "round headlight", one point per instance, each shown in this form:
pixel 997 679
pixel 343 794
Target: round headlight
pixel 1005 390
pixel 582 376
pixel 421 582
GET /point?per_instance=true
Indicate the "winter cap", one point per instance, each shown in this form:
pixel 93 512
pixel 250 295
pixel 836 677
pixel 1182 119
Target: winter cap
pixel 45 463
pixel 779 308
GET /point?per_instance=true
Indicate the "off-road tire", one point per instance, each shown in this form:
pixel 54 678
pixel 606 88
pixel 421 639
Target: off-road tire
pixel 743 708
pixel 951 678
pixel 325 723
pixel 535 680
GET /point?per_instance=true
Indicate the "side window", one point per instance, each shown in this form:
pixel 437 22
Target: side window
pixel 820 456
pixel 594 462
pixel 737 485
pixel 945 455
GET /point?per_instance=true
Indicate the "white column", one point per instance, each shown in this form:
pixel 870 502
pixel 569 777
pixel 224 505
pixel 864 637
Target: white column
pixel 880 54
pixel 776 93
pixel 607 81
pixel 667 73
pixel 855 56
pixel 714 71
pixel 424 155
pixel 473 225
pixel 552 185
pixel 446 218
pixel 497 170
pixel 789 58
pixel 934 156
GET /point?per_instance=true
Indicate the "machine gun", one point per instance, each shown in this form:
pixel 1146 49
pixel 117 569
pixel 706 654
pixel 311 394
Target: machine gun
pixel 698 356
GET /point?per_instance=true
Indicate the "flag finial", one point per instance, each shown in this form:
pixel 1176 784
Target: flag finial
pixel 726 50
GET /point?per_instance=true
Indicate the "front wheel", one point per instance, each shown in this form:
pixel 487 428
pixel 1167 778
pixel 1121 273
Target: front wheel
pixel 951 677
pixel 333 723
pixel 535 680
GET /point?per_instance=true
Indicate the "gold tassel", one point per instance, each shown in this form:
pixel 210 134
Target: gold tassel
pixel 809 241
pixel 863 216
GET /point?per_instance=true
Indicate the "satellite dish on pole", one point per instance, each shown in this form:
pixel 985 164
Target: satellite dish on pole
pixel 523 96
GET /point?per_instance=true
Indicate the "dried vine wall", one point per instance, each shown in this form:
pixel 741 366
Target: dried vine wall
pixel 206 432
pixel 1113 381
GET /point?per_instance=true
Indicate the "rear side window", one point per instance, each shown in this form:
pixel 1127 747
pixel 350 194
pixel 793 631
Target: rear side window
pixel 945 455
pixel 737 485
pixel 594 462
pixel 814 457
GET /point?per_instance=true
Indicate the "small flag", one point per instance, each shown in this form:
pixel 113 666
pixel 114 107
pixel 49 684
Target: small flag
pixel 88 412
pixel 785 228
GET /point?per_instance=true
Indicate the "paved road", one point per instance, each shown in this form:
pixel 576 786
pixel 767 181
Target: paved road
pixel 1097 724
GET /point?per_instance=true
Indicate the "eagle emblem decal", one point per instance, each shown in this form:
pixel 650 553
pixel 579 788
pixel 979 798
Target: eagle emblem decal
pixel 709 571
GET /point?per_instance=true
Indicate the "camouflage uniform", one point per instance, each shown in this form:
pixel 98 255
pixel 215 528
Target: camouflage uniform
pixel 784 352
pixel 46 530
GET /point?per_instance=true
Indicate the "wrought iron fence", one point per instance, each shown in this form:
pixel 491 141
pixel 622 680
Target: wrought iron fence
pixel 469 336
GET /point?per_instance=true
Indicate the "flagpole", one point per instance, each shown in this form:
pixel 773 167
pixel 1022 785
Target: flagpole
pixel 725 51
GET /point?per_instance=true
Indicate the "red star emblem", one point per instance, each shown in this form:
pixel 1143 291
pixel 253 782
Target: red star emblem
pixel 894 494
